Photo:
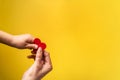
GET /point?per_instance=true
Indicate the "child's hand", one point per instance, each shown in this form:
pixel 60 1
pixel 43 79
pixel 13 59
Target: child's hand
pixel 40 68
pixel 23 41
pixel 18 41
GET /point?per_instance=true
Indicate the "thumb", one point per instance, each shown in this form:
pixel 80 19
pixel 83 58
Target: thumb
pixel 31 46
pixel 38 55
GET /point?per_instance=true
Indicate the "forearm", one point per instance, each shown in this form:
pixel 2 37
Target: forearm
pixel 5 38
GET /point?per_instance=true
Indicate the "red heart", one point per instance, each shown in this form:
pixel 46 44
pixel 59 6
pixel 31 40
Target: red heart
pixel 39 43
pixel 43 45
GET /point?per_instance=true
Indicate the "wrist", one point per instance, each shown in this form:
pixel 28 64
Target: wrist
pixel 30 78
pixel 13 41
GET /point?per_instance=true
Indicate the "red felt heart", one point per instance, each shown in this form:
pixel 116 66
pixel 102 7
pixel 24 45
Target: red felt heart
pixel 43 46
pixel 39 43
pixel 36 41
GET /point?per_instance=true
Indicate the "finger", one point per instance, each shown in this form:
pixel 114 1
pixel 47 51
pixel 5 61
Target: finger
pixel 31 46
pixel 29 38
pixel 31 56
pixel 38 55
pixel 47 57
pixel 33 52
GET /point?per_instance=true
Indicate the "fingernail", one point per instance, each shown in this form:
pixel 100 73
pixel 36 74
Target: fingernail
pixel 36 46
pixel 39 49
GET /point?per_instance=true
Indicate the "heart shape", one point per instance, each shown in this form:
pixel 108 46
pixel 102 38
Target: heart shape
pixel 38 42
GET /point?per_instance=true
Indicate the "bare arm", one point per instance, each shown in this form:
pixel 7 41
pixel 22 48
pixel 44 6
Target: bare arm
pixel 6 38
pixel 19 41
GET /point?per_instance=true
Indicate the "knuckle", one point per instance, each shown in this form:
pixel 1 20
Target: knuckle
pixel 47 54
pixel 28 35
pixel 50 67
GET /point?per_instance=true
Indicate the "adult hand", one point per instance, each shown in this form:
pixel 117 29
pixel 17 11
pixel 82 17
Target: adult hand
pixel 40 68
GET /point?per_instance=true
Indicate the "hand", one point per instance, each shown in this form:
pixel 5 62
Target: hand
pixel 40 68
pixel 18 41
pixel 23 41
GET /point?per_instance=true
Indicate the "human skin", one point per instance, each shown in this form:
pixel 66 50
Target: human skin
pixel 18 41
pixel 40 68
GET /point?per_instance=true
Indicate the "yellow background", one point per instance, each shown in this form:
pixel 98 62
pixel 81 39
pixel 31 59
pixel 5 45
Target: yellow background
pixel 82 36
